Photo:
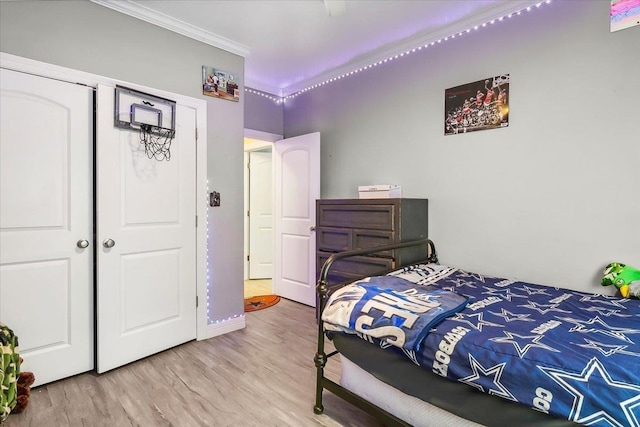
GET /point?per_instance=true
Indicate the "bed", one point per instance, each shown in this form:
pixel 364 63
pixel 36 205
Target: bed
pixel 432 345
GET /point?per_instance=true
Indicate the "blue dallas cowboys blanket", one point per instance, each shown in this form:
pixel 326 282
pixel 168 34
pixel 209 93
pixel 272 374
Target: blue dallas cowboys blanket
pixel 571 354
pixel 391 309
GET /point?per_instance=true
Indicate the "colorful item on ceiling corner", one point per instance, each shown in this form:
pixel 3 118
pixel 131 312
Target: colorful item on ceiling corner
pixel 624 277
pixel 220 84
pixel 480 105
pixel 260 302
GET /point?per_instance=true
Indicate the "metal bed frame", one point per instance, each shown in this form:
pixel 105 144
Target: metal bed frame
pixel 320 359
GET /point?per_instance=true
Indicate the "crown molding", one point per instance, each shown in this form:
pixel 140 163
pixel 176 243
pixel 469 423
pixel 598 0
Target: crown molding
pixel 138 11
pixel 250 83
pixel 477 19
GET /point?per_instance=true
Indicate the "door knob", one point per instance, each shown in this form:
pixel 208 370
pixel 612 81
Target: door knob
pixel 109 243
pixel 312 228
pixel 82 243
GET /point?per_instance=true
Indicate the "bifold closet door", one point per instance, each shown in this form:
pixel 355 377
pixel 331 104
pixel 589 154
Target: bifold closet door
pixel 146 237
pixel 46 185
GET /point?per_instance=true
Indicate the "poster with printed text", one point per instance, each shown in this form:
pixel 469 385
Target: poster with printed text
pixel 477 106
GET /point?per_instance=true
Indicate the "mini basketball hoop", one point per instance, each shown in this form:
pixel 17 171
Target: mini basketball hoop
pixel 156 141
pixel 153 117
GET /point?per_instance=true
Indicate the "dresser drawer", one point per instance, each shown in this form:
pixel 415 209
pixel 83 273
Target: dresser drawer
pixel 372 216
pixel 345 239
pixel 369 239
pixel 333 239
pixel 354 267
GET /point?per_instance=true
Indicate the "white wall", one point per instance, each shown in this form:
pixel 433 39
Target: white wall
pixel 550 199
pixel 85 36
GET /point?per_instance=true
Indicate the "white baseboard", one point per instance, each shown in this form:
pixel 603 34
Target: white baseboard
pixel 223 327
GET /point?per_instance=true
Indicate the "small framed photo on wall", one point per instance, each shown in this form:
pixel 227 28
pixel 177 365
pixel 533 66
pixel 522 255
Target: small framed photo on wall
pixel 220 84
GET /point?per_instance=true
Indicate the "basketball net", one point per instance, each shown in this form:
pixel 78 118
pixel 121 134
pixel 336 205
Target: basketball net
pixel 156 141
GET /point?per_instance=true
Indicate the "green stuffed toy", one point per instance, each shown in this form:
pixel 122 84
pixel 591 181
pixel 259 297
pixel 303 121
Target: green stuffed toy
pixel 9 371
pixel 624 277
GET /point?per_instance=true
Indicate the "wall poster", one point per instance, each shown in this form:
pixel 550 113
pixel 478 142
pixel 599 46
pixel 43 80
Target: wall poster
pixel 220 84
pixel 477 106
pixel 624 14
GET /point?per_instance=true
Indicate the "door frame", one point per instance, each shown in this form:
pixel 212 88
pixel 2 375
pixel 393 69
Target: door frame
pixel 254 140
pixel 260 253
pixel 26 65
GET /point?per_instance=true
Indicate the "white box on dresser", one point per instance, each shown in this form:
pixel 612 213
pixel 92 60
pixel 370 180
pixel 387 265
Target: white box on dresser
pixel 385 191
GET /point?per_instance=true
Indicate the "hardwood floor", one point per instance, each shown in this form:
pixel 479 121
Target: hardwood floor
pixel 255 287
pixel 262 375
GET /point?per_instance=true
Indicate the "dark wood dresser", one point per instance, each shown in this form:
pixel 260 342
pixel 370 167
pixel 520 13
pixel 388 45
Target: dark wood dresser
pixel 349 224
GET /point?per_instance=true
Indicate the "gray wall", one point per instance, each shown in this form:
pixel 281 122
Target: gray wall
pixel 91 38
pixel 263 114
pixel 550 199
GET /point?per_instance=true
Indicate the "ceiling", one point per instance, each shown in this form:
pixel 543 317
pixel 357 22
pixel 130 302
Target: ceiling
pixel 289 45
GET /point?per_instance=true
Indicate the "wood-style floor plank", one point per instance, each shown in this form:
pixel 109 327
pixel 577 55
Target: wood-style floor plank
pixel 255 287
pixel 262 375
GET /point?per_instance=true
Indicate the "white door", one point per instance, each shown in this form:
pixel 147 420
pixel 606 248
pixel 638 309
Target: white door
pixel 46 185
pixel 296 188
pixel 146 282
pixel 260 215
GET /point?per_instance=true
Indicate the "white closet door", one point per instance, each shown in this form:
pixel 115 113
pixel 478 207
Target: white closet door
pixel 146 282
pixel 46 281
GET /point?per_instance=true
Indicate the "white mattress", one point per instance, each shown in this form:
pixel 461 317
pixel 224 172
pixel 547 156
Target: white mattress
pixel 408 408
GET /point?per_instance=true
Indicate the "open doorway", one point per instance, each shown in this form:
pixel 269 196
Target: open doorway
pixel 258 223
pixel 294 189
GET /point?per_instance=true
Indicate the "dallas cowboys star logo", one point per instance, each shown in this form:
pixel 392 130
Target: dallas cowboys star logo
pixel 478 277
pixel 460 283
pixel 494 372
pixel 602 299
pixel 591 406
pixel 607 349
pixel 503 283
pixel 505 294
pixel 511 317
pixel 523 343
pixel 370 339
pixel 423 274
pixel 610 331
pixel 543 308
pixel 533 291
pixel 411 355
pixel 477 324
pixel 606 312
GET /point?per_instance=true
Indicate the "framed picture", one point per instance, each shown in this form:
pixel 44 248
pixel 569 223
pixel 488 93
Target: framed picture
pixel 477 106
pixel 624 14
pixel 220 84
